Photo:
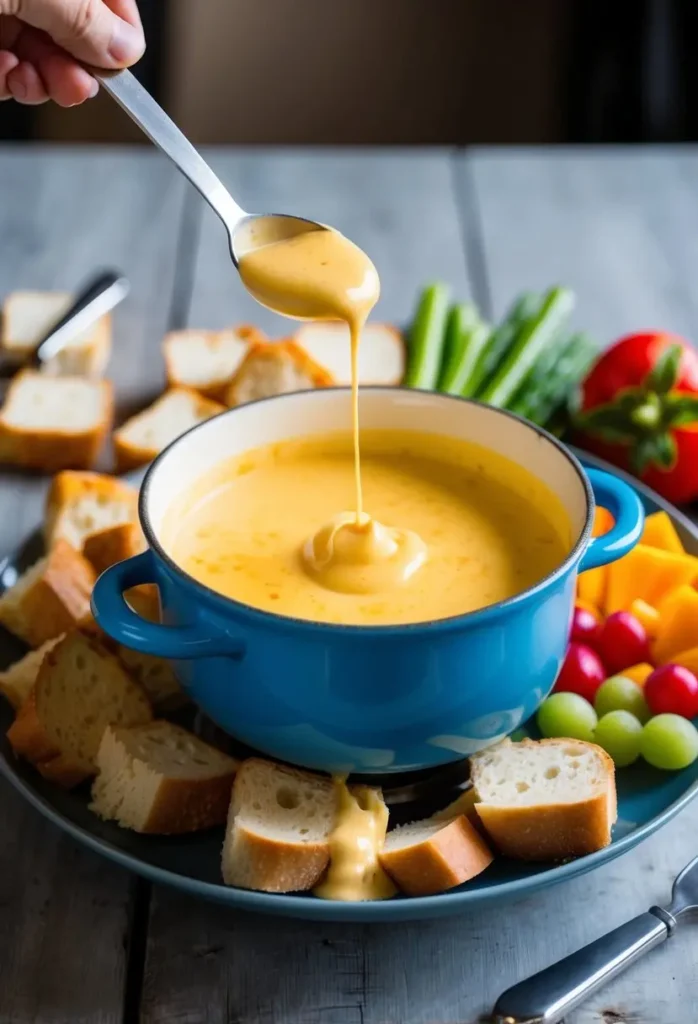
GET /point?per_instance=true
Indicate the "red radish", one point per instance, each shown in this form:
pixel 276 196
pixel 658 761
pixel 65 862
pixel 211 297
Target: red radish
pixel 673 690
pixel 582 672
pixel 586 628
pixel 622 642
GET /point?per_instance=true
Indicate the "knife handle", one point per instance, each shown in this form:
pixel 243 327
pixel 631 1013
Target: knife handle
pixel 100 295
pixel 547 997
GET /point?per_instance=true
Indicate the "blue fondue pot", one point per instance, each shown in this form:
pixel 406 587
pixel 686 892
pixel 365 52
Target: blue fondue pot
pixel 355 698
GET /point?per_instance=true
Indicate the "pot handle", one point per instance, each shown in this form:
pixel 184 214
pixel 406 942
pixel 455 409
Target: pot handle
pixel 626 508
pixel 120 622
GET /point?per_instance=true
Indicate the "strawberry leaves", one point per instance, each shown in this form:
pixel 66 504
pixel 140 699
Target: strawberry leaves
pixel 643 418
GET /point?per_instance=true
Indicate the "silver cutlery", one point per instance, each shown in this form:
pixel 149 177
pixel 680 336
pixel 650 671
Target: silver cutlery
pixel 101 294
pixel 245 230
pixel 548 996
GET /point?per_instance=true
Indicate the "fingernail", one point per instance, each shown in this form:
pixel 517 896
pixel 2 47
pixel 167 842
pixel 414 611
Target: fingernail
pixel 94 89
pixel 127 43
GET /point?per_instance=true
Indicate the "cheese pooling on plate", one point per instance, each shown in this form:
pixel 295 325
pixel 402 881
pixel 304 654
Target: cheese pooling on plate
pixel 321 275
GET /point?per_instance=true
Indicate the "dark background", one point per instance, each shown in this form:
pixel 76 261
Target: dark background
pixel 449 72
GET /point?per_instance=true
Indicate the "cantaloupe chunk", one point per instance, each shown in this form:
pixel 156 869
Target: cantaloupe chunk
pixel 678 624
pixel 660 532
pixel 649 574
pixel 689 659
pixel 646 615
pixel 591 585
pixel 638 673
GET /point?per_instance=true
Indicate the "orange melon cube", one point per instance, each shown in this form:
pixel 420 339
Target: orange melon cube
pixel 678 624
pixel 638 673
pixel 646 615
pixel 649 574
pixel 660 532
pixel 688 659
pixel 591 585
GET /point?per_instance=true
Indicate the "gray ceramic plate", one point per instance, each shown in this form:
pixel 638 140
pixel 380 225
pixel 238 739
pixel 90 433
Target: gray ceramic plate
pixel 647 800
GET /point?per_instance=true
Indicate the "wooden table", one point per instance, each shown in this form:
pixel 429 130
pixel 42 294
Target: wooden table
pixel 80 939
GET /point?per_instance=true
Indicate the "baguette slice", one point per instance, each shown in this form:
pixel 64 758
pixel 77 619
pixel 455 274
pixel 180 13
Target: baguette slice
pixel 157 678
pixel 433 855
pixel 144 436
pixel 50 598
pixel 52 423
pixel 161 779
pixel 81 688
pixel 547 799
pixel 206 361
pixel 279 823
pixel 113 544
pixel 381 352
pixel 27 316
pixel 79 504
pixel 275 368
pixel 17 682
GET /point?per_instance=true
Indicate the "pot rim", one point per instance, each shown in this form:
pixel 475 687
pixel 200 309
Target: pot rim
pixel 227 605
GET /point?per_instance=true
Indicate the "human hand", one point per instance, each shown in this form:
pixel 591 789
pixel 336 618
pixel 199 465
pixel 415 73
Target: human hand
pixel 43 44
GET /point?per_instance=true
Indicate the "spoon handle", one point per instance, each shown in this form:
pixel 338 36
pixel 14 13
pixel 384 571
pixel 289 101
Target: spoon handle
pixel 161 129
pixel 548 996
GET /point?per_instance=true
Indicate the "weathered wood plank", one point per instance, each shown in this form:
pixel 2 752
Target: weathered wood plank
pixel 620 227
pixel 206 964
pixel 63 214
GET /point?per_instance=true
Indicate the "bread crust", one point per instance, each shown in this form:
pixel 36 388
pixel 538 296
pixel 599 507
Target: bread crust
pixel 52 449
pixel 449 857
pixel 131 456
pixel 216 389
pixel 318 376
pixel 544 832
pixel 69 487
pixel 267 865
pixel 115 544
pixel 55 602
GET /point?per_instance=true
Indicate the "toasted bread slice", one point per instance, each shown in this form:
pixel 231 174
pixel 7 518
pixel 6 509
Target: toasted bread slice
pixel 79 504
pixel 51 423
pixel 81 688
pixel 547 799
pixel 114 544
pixel 29 739
pixel 157 678
pixel 161 779
pixel 275 368
pixel 28 316
pixel 463 804
pixel 17 682
pixel 280 820
pixel 50 598
pixel 207 361
pixel 433 855
pixel 144 436
pixel 381 352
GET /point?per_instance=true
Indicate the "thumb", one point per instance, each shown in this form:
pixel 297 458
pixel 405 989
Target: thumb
pixel 87 29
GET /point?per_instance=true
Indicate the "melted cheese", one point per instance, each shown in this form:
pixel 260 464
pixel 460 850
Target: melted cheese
pixel 321 275
pixel 357 838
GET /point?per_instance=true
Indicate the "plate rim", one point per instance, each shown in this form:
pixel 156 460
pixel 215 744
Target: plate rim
pixel 408 908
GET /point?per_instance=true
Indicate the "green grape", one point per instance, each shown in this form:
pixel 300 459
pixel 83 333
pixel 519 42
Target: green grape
pixel 567 714
pixel 669 742
pixel 621 694
pixel 620 735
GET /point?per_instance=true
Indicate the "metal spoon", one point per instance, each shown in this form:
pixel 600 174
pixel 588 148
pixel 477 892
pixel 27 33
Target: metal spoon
pixel 548 996
pixel 246 231
pixel 101 294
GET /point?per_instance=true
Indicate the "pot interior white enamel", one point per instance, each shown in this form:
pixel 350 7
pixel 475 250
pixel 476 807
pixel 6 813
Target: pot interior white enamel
pixel 320 412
